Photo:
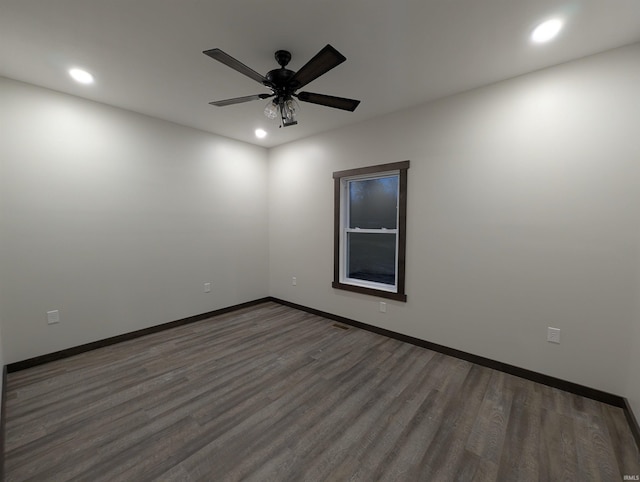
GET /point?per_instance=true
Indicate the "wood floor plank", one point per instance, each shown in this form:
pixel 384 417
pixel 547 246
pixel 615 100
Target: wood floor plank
pixel 558 454
pixel 588 469
pixel 446 455
pixel 626 451
pixel 369 460
pixel 488 433
pixel 520 453
pixel 371 427
pixel 315 426
pixel 369 409
pixel 270 393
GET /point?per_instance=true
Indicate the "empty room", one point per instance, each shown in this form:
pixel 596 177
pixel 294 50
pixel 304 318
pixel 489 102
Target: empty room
pixel 320 240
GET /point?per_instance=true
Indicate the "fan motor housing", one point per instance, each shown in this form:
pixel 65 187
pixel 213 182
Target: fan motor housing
pixel 279 77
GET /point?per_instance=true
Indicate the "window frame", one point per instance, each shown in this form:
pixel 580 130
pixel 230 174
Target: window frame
pixel 346 231
pixel 340 279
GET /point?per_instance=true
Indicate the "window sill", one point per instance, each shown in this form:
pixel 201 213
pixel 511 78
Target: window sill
pixel 370 291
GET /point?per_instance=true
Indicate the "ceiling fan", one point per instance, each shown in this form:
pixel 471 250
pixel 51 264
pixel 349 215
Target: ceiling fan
pixel 284 83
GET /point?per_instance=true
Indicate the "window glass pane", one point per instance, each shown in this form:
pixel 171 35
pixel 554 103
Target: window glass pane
pixel 372 257
pixel 373 203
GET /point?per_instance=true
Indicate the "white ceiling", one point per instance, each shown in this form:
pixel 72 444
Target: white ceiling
pixel 146 55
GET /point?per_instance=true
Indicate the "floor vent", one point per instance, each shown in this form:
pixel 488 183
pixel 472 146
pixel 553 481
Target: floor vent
pixel 342 327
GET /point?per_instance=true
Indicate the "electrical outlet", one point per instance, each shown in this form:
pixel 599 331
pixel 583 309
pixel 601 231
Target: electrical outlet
pixel 553 335
pixel 383 307
pixel 53 317
pixel 294 281
pixel 207 287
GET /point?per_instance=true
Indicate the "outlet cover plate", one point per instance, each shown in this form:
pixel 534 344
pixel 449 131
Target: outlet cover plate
pixel 53 317
pixel 553 335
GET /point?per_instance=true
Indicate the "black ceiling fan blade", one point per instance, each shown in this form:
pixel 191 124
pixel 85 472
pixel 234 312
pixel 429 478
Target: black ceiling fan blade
pixel 235 64
pixel 240 100
pixel 329 101
pixel 323 62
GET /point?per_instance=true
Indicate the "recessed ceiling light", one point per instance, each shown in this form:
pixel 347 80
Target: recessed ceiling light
pixel 261 133
pixel 81 76
pixel 546 30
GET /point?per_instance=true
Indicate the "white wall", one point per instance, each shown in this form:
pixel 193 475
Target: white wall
pixel 2 363
pixel 633 384
pixel 632 391
pixel 522 214
pixel 117 219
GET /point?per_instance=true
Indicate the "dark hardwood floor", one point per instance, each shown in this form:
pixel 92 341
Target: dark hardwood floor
pixel 270 393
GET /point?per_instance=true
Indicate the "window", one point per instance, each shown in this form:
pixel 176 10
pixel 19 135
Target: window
pixel 369 230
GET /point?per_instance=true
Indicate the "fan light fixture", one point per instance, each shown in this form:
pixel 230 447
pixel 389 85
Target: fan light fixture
pixel 289 112
pixel 271 110
pixel 284 108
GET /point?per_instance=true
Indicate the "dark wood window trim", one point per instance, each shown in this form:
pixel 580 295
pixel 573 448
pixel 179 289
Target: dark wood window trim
pixel 402 167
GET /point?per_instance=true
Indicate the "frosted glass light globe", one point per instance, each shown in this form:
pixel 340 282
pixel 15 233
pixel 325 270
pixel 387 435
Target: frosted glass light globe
pixel 271 110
